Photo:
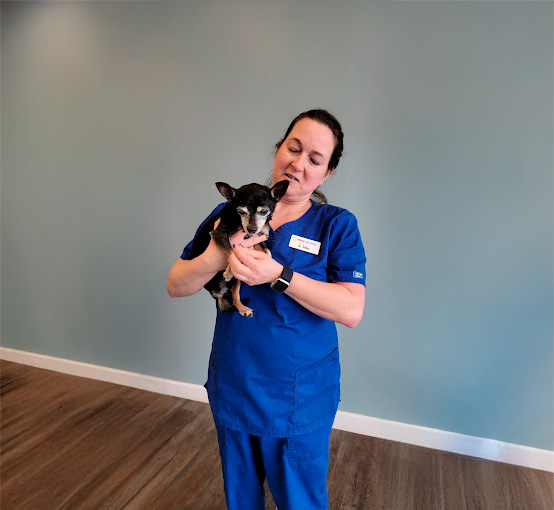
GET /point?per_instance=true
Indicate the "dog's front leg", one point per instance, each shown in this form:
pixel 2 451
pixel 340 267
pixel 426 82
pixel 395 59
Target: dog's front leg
pixel 262 247
pixel 228 274
pixel 243 310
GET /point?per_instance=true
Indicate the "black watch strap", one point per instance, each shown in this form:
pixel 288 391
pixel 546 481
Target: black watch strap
pixel 282 283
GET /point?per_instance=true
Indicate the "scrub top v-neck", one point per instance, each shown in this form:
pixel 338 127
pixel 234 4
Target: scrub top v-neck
pixel 277 373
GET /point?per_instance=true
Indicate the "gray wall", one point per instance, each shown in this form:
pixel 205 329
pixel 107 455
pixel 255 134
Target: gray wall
pixel 118 117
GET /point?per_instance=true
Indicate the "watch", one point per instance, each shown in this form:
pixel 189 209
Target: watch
pixel 282 283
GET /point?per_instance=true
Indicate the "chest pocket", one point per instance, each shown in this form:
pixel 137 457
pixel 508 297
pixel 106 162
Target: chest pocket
pixel 316 393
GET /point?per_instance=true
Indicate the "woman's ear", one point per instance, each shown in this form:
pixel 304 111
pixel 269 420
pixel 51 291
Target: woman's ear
pixel 327 174
pixel 278 144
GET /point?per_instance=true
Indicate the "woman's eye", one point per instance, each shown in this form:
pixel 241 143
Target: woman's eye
pixel 294 151
pixel 314 162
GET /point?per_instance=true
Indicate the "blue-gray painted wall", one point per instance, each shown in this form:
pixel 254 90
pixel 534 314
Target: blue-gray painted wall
pixel 118 117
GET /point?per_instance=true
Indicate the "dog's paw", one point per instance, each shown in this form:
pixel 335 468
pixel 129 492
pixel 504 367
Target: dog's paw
pixel 227 275
pixel 247 312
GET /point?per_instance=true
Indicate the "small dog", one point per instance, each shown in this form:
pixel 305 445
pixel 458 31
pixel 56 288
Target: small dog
pixel 250 208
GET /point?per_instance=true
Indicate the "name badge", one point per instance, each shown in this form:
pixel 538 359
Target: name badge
pixel 304 244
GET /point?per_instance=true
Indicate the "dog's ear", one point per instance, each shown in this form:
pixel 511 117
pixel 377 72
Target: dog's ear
pixel 278 191
pixel 227 191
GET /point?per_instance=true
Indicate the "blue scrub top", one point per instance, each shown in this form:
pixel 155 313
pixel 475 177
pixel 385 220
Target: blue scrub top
pixel 276 374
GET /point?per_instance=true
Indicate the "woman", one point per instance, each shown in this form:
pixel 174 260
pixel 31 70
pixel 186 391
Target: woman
pixel 273 379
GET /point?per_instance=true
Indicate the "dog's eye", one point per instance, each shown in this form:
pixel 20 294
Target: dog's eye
pixel 242 212
pixel 264 212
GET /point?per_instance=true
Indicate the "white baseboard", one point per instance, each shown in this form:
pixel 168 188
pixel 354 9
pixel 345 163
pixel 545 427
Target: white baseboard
pixel 489 449
pixel 112 375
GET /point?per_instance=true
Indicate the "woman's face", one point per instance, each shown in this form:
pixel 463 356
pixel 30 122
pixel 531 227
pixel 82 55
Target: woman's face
pixel 303 158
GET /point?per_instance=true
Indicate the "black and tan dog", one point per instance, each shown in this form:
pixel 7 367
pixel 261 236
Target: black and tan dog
pixel 250 208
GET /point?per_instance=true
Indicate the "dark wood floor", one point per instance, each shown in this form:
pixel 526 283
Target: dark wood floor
pixel 74 443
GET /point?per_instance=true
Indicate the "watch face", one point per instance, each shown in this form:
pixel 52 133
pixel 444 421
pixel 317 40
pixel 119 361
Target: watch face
pixel 280 285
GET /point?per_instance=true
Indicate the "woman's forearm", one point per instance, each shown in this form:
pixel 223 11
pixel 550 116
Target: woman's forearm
pixel 187 277
pixel 339 302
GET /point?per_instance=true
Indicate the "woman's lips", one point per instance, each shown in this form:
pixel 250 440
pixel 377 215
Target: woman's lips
pixel 291 177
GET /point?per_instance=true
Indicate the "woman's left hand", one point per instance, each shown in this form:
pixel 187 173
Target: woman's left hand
pixel 254 267
pixel 337 301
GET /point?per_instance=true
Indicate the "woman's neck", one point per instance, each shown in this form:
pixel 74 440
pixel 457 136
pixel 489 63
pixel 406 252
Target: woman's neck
pixel 286 211
pixel 292 206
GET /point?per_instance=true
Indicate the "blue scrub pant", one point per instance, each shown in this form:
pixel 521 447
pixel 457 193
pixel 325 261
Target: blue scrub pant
pixel 295 468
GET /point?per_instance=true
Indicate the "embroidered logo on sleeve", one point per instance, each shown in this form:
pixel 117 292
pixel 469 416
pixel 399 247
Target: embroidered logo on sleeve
pixel 356 274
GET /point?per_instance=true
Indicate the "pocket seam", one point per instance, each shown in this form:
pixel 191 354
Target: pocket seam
pixel 300 377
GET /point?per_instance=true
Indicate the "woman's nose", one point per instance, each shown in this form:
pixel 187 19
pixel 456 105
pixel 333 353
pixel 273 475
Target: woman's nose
pixel 298 162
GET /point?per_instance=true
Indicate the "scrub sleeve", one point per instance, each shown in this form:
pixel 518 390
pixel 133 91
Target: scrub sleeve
pixel 276 375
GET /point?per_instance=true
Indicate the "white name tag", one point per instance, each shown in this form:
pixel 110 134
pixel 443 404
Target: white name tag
pixel 304 244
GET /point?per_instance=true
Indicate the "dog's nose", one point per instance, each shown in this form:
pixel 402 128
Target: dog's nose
pixel 251 230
